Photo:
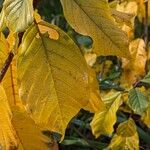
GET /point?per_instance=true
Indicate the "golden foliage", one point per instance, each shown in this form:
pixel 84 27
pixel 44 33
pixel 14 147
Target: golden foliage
pixel 134 69
pixel 126 137
pixel 95 102
pixel 105 119
pixel 53 79
pixel 7 134
pixel 93 18
pixel 26 129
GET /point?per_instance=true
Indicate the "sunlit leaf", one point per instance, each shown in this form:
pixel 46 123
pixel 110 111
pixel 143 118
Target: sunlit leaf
pixel 90 58
pixel 7 134
pixel 128 7
pixel 10 79
pixel 138 101
pixel 126 137
pixel 10 84
pixel 134 69
pixel 141 10
pixel 95 102
pixel 28 133
pixel 122 17
pixel 52 76
pixel 3 49
pixel 18 14
pixel 104 121
pixel 93 18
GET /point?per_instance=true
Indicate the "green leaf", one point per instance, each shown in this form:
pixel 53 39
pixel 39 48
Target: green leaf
pixel 71 141
pixel 93 18
pixel 146 79
pixel 104 121
pixel 17 14
pixel 29 134
pixel 52 75
pixel 137 101
pixel 126 137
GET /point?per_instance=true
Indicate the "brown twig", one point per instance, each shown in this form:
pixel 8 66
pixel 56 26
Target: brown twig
pixel 146 25
pixel 6 65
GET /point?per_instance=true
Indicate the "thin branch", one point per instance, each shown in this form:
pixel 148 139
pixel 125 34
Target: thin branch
pixel 6 65
pixel 146 24
pixel 10 57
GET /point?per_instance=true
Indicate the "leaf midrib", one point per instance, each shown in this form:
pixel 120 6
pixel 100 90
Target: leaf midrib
pixel 46 54
pixel 98 26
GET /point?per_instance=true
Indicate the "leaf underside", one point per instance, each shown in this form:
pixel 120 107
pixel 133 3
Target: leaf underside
pixel 18 14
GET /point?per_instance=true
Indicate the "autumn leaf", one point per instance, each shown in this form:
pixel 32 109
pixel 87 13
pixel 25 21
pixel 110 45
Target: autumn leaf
pixel 95 103
pixel 17 14
pixel 10 84
pixel 126 137
pixel 141 10
pixel 104 121
pixel 10 79
pixel 122 17
pixel 90 58
pixel 3 49
pixel 52 76
pixel 7 134
pixel 29 135
pixel 128 7
pixel 93 18
pixel 134 69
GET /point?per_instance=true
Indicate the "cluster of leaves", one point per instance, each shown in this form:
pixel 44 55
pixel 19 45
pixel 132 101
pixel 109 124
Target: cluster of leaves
pixel 47 77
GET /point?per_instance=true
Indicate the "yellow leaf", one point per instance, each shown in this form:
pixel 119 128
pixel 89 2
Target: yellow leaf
pixel 11 40
pixel 95 102
pixel 3 49
pixel 134 69
pixel 128 8
pixel 7 134
pixel 52 77
pixel 125 138
pixel 10 79
pixel 90 58
pixel 93 18
pixel 141 10
pixel 104 121
pixel 18 14
pixel 53 34
pixel 37 16
pixel 28 133
pixel 10 84
pixel 122 17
